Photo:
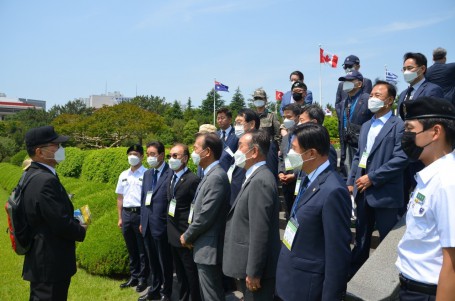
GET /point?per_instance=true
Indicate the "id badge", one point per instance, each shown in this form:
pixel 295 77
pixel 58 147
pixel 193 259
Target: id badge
pixel 297 186
pixel 363 160
pixel 148 198
pixel 287 164
pixel 289 233
pixel 229 151
pixel 230 172
pixel 172 204
pixel 190 216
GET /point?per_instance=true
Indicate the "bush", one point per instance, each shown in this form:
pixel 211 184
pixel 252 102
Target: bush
pixel 72 165
pixel 105 165
pixel 9 176
pixel 331 124
pixel 18 158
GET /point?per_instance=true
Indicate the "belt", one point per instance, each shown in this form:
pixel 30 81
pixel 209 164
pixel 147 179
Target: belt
pixel 419 287
pixel 132 209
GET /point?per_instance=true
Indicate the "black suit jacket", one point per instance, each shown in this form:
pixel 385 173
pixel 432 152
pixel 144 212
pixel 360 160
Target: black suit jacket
pixel 226 160
pixel 184 194
pixel 366 88
pixel 50 213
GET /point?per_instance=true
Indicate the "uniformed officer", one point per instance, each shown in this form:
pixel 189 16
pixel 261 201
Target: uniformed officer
pixel 426 253
pixel 129 217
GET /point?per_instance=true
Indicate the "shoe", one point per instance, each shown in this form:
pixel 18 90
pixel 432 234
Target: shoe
pixel 141 286
pixel 129 283
pixel 165 298
pixel 150 297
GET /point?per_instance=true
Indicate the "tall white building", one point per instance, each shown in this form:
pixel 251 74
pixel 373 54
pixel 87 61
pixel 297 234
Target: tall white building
pixel 112 98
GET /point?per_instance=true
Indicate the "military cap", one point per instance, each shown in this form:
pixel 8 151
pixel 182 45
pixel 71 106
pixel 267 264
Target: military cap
pixel 427 107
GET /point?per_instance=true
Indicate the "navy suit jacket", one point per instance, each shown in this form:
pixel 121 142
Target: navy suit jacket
pixel 286 99
pixel 317 266
pixel 443 75
pixel 385 165
pixel 232 142
pixel 154 216
pixel 425 89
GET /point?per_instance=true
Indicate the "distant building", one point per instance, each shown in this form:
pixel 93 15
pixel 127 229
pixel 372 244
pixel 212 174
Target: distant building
pixel 11 105
pixel 112 98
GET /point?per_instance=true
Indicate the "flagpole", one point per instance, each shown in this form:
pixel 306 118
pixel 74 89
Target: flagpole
pixel 320 77
pixel 385 67
pixel 214 102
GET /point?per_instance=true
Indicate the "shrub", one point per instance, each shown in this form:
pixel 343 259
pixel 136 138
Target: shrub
pixel 72 165
pixel 105 165
pixel 18 158
pixel 331 124
pixel 9 176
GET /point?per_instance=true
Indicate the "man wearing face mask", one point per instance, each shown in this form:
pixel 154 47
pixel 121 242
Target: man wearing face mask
pixel 351 63
pixel 51 261
pixel 208 216
pixel 352 113
pixel 376 178
pixel 154 205
pixel 288 97
pixel 314 259
pixel 285 172
pixel 252 238
pixel 129 188
pixel 181 192
pixel 426 253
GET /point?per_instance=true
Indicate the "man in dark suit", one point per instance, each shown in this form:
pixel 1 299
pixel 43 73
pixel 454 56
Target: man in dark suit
pixel 351 63
pixel 352 113
pixel 154 203
pixel 207 217
pixel 376 178
pixel 314 260
pixel 442 74
pixel 252 236
pixel 181 192
pixel 288 97
pixel 51 261
pixel 227 136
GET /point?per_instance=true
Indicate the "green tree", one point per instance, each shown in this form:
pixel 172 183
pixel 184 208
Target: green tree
pixel 189 130
pixel 237 102
pixel 188 113
pixel 207 105
pixel 7 148
pixel 173 112
pixel 177 126
pixel 76 106
pixel 150 103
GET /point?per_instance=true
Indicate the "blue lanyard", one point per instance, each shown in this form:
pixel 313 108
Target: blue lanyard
pixel 302 189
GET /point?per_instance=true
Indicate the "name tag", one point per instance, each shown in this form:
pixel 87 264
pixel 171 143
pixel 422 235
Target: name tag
pixel 297 186
pixel 172 204
pixel 148 198
pixel 229 151
pixel 363 160
pixel 289 233
pixel 190 216
pixel 230 172
pixel 287 164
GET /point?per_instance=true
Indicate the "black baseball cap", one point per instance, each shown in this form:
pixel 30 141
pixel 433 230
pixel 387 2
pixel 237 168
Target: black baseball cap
pixel 43 135
pixel 427 107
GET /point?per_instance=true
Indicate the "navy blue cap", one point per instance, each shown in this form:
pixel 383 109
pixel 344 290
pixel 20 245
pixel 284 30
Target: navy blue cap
pixel 354 74
pixel 351 60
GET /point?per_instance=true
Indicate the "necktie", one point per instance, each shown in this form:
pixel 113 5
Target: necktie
pixel 154 179
pixel 408 93
pixel 302 189
pixel 223 137
pixel 174 182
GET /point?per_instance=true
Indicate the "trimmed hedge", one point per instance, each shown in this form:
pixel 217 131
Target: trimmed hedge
pixel 18 158
pixel 105 165
pixel 72 165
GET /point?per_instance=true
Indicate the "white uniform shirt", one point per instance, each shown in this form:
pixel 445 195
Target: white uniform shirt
pixel 130 185
pixel 430 222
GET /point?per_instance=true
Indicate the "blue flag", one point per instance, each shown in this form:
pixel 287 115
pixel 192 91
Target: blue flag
pixel 220 87
pixel 391 77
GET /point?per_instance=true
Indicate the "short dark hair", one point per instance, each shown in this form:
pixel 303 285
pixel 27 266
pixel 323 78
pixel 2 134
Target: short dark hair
pixel 212 141
pixel 420 59
pixel 295 108
pixel 298 73
pixel 261 139
pixel 391 90
pixel 250 115
pixel 313 135
pixel 447 124
pixel 226 111
pixel 439 53
pixel 315 112
pixel 156 144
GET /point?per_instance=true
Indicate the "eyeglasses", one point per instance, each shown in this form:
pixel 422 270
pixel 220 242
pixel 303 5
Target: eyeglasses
pixel 49 144
pixel 175 156
pixel 348 67
pixel 409 68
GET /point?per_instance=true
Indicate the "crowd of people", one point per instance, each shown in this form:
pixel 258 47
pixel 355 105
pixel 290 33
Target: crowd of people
pixel 218 228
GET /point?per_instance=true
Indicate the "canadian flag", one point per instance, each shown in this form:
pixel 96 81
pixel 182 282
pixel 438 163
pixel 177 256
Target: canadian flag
pixel 279 95
pixel 325 57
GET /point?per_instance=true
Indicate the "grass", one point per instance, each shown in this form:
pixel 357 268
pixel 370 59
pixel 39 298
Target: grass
pixel 83 285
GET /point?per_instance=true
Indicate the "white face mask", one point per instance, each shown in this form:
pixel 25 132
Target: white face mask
pixel 238 129
pixel 133 160
pixel 152 161
pixel 296 159
pixel 240 158
pixel 375 104
pixel 348 86
pixel 175 164
pixel 410 76
pixel 347 70
pixel 259 103
pixel 288 123
pixel 196 157
pixel 59 155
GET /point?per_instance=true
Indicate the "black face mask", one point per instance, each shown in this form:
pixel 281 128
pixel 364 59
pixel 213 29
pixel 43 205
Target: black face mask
pixel 297 96
pixel 408 144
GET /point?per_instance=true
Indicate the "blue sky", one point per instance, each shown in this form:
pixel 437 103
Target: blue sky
pixel 61 50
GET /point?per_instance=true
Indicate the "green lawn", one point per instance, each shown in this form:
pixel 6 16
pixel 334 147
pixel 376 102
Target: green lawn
pixel 83 285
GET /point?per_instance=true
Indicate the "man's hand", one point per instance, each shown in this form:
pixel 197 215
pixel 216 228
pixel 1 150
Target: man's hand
pixel 253 284
pixel 363 183
pixel 120 223
pixel 140 229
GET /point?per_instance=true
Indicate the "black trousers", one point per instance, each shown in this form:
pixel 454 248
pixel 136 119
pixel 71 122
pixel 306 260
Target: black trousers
pixel 49 291
pixel 160 264
pixel 406 295
pixel 187 275
pixel 135 245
